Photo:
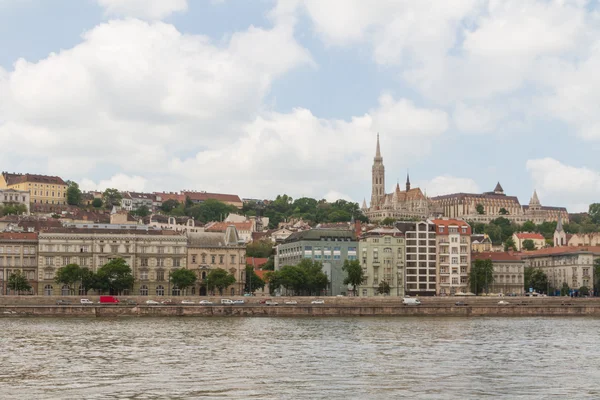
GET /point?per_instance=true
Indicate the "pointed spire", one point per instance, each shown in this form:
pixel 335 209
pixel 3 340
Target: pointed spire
pixel 498 189
pixel 378 150
pixel 407 181
pixel 364 205
pixel 559 224
pixel 534 199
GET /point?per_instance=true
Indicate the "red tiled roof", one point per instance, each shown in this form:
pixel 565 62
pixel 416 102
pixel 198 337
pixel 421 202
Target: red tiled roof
pixel 527 235
pixel 222 226
pixel 451 222
pixel 18 236
pixel 13 179
pixel 256 262
pixel 561 250
pixel 170 196
pixel 496 256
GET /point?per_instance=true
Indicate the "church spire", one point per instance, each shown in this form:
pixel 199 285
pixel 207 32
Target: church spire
pixel 378 150
pixel 407 182
pixel 559 224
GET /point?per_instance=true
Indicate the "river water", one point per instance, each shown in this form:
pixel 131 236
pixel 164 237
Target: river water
pixel 300 358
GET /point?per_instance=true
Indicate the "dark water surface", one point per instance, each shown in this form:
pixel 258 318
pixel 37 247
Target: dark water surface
pixel 302 358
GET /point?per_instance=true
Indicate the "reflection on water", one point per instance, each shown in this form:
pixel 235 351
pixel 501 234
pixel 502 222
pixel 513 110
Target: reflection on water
pixel 303 358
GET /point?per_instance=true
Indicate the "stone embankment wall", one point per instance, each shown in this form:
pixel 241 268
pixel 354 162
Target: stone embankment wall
pixel 41 306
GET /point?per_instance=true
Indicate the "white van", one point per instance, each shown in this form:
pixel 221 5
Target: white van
pixel 227 301
pixel 411 301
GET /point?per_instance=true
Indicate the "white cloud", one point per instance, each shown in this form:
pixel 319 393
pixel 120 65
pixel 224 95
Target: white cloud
pixel 474 119
pixel 333 196
pixel 558 183
pixel 118 181
pixel 146 9
pixel 447 184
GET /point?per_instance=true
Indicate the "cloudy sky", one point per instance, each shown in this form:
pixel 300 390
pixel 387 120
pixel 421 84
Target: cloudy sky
pixel 266 97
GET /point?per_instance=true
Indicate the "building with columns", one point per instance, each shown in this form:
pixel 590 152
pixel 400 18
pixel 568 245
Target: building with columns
pixel 18 253
pixel 382 255
pixel 509 269
pixel 406 204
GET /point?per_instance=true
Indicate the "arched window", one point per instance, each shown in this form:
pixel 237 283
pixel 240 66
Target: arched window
pixel 160 290
pixel 65 290
pixel 203 274
pixel 143 290
pixel 232 291
pixel 48 290
pixel 193 290
pixel 175 291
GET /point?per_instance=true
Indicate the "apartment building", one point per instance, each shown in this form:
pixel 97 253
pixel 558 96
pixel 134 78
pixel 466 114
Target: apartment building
pixel 509 268
pixel 151 254
pixel 382 254
pixel 9 197
pixel 42 189
pixel 453 239
pixel 18 253
pixel 421 259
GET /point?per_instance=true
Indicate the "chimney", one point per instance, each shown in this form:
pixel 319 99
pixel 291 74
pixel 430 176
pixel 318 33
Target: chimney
pixel 357 228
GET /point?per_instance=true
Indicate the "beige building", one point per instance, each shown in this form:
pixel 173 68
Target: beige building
pixel 538 240
pixel 211 250
pixel 18 253
pixel 508 274
pixel 454 256
pixel 151 254
pixel 571 265
pixel 13 197
pixel 42 189
pixel 382 254
pixel 481 243
pixel 244 229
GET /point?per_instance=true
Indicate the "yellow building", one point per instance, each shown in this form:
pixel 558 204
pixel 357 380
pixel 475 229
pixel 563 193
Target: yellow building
pixel 42 189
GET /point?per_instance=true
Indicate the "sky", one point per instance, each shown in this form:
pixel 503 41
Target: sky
pixel 266 97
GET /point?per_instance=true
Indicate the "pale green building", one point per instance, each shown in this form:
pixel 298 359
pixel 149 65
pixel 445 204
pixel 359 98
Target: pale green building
pixel 382 253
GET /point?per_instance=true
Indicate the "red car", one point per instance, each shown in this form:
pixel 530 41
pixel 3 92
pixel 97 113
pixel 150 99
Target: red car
pixel 108 300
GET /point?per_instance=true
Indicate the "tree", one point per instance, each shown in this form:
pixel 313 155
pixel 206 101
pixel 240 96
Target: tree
pixel 528 244
pixel 528 226
pixel 73 194
pixel 168 205
pixel 565 289
pixel 13 209
pixel 183 278
pixel 260 249
pixel 306 278
pixel 68 275
pixel 479 208
pixel 18 283
pixel 384 288
pixel 481 275
pixel 355 275
pixel 596 277
pixel 210 210
pixel 509 244
pixel 269 265
pixel 503 211
pixel 220 279
pixel 97 203
pixel 584 291
pixel 388 221
pixel 111 197
pixel 535 278
pixel 594 212
pixel 114 277
pixel 142 211
pixel 253 281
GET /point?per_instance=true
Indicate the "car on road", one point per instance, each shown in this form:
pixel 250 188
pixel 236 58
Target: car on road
pixel 187 302
pixel 152 302
pixel 411 301
pixel 167 302
pixel 271 303
pixel 238 302
pixel 460 303
pixel 318 301
pixel 502 302
pixel 205 302
pixel 228 302
pixel 130 302
pixel 291 302
pixel 86 301
pixel 263 301
pixel 62 302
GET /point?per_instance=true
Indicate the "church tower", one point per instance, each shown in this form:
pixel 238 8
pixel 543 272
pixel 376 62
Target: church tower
pixel 378 178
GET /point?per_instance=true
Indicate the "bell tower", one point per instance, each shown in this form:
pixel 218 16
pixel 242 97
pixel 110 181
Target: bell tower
pixel 378 178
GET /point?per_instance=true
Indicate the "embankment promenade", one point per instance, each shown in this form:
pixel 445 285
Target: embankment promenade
pixel 43 306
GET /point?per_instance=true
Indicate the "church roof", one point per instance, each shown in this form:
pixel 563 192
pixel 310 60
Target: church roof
pixel 498 188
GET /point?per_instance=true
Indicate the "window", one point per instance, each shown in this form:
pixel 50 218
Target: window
pixel 160 275
pixel 177 262
pixel 233 259
pixel 143 290
pixel 160 290
pixel 175 291
pixel 160 262
pixel 49 274
pixel 213 259
pixel 144 262
pixel 65 290
pixel 49 261
pixel 144 275
pixel 161 250
pixel 203 258
pixel 48 290
pixel 441 229
pixel 114 249
pixel 193 259
pixel 65 260
pixel 221 259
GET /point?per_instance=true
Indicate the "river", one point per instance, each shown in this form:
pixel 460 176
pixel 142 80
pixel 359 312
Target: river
pixel 299 358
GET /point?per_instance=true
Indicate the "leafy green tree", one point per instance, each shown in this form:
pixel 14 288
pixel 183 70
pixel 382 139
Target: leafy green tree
pixel 168 205
pixel 388 221
pixel 87 279
pixel 68 275
pixel 210 210
pixel 477 227
pixel 584 291
pixel 594 212
pixel 494 232
pixel 219 279
pixel 114 277
pixel 547 229
pixel 259 249
pixel 509 244
pixel 355 275
pixel 18 283
pixel 97 203
pixel 503 211
pixel 535 278
pixel 481 276
pixel 73 194
pixel 565 290
pixel 111 197
pixel 253 281
pixel 13 209
pixel 480 209
pixel 269 265
pixel 596 271
pixel 142 211
pixel 183 278
pixel 384 288
pixel 306 278
pixel 528 244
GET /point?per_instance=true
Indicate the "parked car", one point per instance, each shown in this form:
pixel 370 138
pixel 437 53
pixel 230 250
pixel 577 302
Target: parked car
pixel 291 302
pixel 460 303
pixel 271 303
pixel 227 301
pixel 130 302
pixel 187 302
pixel 263 301
pixel 248 295
pixel 238 302
pixel 167 302
pixel 86 301
pixel 205 302
pixel 411 301
pixel 502 302
pixel 152 302
pixel 318 301
pixel 62 302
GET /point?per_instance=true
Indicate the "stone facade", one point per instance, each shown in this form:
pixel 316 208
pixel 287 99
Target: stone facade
pixel 496 204
pixel 400 205
pixel 12 197
pixel 151 254
pixel 327 246
pixel 453 239
pixel 42 189
pixel 421 257
pixel 211 250
pixel 18 253
pixel 509 271
pixel 382 255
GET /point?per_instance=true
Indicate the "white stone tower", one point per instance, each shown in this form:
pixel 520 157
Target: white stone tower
pixel 378 179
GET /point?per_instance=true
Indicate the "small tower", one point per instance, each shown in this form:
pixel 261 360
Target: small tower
pixel 560 236
pixel 378 178
pixel 498 189
pixel 407 182
pixel 534 203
